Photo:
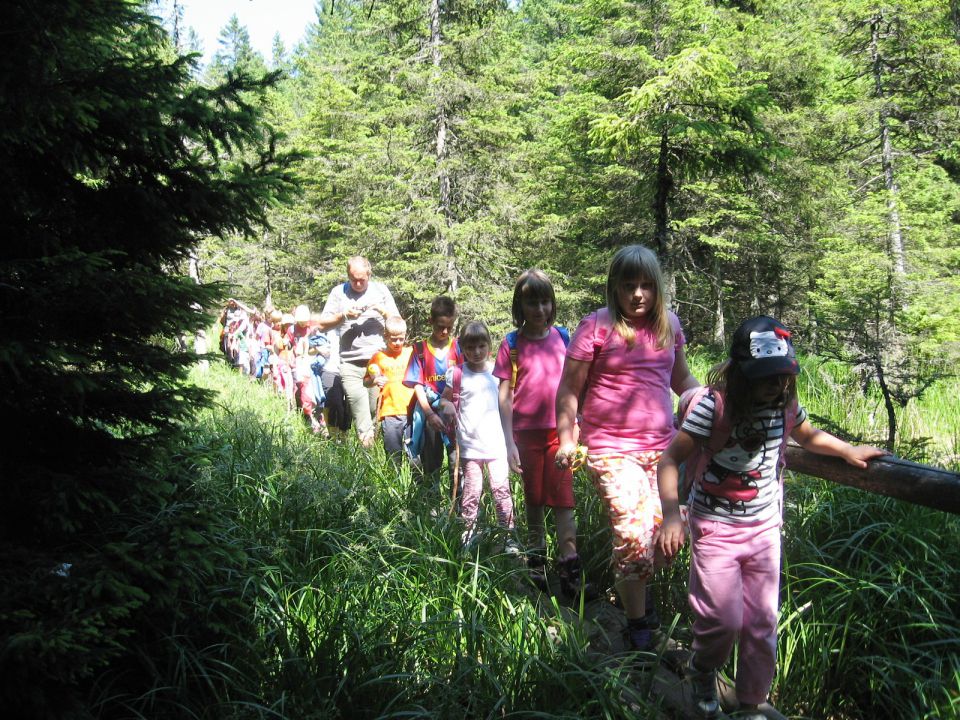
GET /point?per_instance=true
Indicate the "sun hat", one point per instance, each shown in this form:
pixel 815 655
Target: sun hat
pixel 762 347
pixel 302 314
pixel 287 319
pixel 276 316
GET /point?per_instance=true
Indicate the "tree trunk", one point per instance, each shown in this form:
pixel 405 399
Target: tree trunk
pixel 444 241
pixel 895 229
pixel 888 404
pixel 719 327
pixel 661 234
pixel 194 265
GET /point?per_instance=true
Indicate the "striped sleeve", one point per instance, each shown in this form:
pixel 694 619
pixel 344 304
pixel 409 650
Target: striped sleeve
pixel 699 421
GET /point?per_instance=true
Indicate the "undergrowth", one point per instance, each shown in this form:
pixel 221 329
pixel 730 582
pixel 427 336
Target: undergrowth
pixel 364 605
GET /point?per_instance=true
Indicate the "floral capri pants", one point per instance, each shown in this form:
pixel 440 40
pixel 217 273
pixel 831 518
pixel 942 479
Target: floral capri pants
pixel 627 484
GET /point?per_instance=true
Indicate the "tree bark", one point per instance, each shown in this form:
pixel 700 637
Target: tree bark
pixel 661 235
pixel 193 265
pixel 895 229
pixel 444 241
pixel 888 404
pixel 719 326
pixel 890 476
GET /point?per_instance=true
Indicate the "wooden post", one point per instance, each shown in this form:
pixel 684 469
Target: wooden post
pixel 891 476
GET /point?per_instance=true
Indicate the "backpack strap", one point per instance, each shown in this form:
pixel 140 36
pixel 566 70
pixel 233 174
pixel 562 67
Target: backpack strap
pixel 564 334
pixel 790 411
pixel 720 430
pixel 418 350
pixel 512 344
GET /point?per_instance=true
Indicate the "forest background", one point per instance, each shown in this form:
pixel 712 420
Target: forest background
pixel 792 158
pixel 174 545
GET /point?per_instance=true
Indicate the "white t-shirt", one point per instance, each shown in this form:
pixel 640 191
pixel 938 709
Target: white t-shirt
pixel 479 432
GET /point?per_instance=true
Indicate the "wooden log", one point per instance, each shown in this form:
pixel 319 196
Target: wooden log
pixel 890 476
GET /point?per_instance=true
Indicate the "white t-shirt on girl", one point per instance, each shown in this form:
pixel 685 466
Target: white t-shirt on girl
pixel 478 421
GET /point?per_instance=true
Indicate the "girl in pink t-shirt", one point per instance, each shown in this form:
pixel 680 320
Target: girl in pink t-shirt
pixel 529 364
pixel 628 356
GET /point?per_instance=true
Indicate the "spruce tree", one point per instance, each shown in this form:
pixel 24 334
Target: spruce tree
pixel 113 165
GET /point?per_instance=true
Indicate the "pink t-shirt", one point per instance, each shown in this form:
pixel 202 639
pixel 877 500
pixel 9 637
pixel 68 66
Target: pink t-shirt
pixel 539 366
pixel 628 405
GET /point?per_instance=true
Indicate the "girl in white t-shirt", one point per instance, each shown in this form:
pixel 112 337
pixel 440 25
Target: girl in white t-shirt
pixel 471 401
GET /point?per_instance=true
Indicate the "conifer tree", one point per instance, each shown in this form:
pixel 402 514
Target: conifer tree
pixel 114 164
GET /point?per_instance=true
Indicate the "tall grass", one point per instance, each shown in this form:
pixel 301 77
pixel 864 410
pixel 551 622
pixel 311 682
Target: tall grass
pixel 367 607
pixel 871 594
pixel 367 604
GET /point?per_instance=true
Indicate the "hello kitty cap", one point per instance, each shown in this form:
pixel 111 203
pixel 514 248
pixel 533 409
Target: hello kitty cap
pixel 762 347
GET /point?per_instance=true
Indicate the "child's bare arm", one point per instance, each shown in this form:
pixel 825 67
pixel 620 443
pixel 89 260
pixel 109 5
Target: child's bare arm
pixel 505 398
pixel 446 408
pixel 572 380
pixel 823 443
pixel 671 537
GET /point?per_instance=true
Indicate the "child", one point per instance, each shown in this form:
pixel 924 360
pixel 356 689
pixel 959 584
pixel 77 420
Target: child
pixel 317 352
pixel 528 365
pixel 748 411
pixel 386 370
pixel 624 359
pixel 263 336
pixel 470 399
pixel 426 373
pixel 282 369
pixel 297 335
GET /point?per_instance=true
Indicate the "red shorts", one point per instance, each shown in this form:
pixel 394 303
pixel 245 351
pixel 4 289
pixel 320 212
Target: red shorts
pixel 544 484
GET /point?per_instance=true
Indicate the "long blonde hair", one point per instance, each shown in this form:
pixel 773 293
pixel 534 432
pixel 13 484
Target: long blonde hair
pixel 635 262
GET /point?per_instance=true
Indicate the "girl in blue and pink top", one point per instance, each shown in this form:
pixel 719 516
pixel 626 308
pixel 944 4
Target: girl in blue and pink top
pixel 629 356
pixel 528 365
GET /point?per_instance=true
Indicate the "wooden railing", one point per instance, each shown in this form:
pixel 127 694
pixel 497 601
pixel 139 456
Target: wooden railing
pixel 891 476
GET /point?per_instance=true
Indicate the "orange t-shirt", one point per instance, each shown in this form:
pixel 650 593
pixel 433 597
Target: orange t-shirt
pixel 394 396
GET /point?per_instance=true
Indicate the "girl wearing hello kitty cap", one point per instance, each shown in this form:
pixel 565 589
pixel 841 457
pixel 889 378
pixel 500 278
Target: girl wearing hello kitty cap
pixel 736 429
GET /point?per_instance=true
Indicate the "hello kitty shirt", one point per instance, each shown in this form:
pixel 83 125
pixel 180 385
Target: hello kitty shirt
pixel 741 483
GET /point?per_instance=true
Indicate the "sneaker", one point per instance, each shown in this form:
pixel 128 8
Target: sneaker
pixel 537 569
pixel 639 639
pixel 512 547
pixel 640 631
pixel 571 581
pixel 704 686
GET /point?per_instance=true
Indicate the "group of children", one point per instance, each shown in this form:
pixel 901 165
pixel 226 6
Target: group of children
pixel 288 349
pixel 548 403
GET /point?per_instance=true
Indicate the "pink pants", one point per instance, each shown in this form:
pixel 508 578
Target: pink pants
pixel 498 471
pixel 283 380
pixel 305 389
pixel 734 591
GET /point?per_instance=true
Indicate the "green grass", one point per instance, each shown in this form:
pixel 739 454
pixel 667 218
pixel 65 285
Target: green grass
pixel 366 603
pixel 366 606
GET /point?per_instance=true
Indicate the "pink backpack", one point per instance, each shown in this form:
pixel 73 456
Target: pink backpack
pixel 696 464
